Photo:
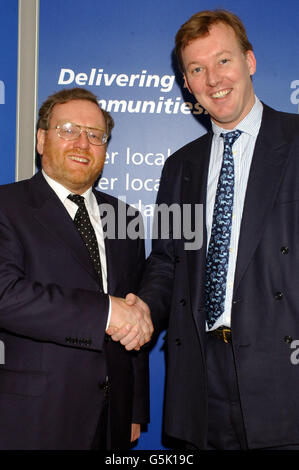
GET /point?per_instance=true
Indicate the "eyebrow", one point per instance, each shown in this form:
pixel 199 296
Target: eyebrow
pixel 68 121
pixel 223 52
pixel 196 62
pixel 216 55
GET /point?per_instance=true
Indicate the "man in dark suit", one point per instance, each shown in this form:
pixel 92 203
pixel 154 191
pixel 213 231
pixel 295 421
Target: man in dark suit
pixel 65 384
pixel 232 305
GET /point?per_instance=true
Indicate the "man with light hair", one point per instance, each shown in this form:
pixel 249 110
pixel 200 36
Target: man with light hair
pixel 232 306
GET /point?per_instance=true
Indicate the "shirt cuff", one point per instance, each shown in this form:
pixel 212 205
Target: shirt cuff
pixel 109 313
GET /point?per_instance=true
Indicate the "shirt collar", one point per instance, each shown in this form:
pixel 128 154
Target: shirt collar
pixel 62 192
pixel 249 125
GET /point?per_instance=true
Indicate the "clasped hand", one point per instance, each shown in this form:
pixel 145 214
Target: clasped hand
pixel 130 322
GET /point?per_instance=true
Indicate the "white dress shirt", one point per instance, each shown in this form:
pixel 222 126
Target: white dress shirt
pixel 95 219
pixel 242 151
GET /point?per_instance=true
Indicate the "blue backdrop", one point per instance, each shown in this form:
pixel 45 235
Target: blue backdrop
pixel 8 87
pixel 122 51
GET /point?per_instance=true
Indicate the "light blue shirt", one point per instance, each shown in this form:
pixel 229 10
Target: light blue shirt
pixel 242 151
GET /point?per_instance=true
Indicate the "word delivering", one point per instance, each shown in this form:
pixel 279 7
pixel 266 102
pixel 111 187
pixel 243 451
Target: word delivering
pixel 98 78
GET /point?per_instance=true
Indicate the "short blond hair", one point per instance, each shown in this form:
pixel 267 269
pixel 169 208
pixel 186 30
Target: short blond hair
pixel 199 25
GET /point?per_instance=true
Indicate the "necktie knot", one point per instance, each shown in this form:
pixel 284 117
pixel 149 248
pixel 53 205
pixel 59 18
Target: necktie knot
pixel 77 199
pixel 229 138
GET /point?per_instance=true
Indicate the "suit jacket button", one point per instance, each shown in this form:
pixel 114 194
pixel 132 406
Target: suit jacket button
pixel 104 386
pixel 288 339
pixel 278 295
pixel 284 250
pixel 183 302
pixel 178 342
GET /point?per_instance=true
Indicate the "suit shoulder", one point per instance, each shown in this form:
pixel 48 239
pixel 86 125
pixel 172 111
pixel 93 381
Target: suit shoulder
pixel 13 187
pixel 192 151
pixel 188 150
pixel 282 114
pixel 288 122
pixel 13 192
pixel 103 198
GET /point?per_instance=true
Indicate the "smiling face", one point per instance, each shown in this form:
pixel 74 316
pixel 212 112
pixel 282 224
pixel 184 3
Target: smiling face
pixel 76 164
pixel 218 74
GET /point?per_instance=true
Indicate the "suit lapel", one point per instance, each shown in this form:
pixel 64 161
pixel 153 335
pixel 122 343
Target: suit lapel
pixel 52 215
pixel 268 163
pixel 111 242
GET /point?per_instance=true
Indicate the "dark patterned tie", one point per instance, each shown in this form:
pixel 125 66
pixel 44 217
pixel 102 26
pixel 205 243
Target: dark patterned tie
pixel 218 251
pixel 86 230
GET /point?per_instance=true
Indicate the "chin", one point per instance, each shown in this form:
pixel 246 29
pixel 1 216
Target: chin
pixel 224 121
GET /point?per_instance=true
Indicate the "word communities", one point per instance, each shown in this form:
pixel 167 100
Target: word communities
pixel 168 106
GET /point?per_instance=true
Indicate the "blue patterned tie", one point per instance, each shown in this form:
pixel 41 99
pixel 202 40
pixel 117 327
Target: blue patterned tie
pixel 218 251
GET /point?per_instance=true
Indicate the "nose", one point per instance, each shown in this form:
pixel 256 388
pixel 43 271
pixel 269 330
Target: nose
pixel 82 141
pixel 213 77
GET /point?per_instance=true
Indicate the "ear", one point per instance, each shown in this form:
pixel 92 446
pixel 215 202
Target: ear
pixel 251 62
pixel 41 135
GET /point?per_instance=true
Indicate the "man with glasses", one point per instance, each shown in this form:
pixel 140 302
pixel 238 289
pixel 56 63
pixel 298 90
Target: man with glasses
pixel 65 384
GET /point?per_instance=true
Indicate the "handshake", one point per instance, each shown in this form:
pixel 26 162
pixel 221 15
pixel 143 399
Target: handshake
pixel 130 322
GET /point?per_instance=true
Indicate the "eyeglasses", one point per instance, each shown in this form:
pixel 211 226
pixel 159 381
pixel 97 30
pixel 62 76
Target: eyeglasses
pixel 72 131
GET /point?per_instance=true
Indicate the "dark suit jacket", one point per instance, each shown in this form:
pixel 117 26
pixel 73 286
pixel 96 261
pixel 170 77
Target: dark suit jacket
pixel 52 323
pixel 265 307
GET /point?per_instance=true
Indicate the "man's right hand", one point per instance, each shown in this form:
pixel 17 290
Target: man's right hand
pixel 130 323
